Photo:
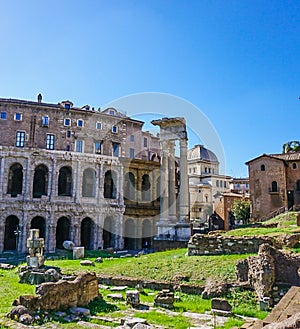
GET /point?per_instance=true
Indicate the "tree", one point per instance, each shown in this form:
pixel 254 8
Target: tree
pixel 241 210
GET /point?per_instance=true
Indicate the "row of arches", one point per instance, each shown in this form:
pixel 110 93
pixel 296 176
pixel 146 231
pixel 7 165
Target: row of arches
pixel 132 239
pixel 65 182
pixel 131 187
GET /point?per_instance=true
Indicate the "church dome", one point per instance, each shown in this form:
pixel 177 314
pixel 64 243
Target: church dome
pixel 199 152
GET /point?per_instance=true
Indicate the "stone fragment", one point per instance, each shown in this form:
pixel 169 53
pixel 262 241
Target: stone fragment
pixel 99 260
pixel 119 288
pixel 214 289
pixel 87 263
pixel 17 311
pixel 78 252
pixel 133 298
pixel 220 304
pixel 165 299
pixel 81 311
pixel 52 275
pixel 116 296
pixel 26 319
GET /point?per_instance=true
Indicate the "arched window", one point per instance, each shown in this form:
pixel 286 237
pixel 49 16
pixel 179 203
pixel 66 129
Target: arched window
pixel 274 187
pixel 62 231
pixel 262 167
pixel 129 186
pixel 11 233
pixel 298 185
pixel 39 222
pixel 294 165
pixel 146 185
pixel 65 181
pixel 89 183
pixel 40 181
pixel 15 180
pixel 110 185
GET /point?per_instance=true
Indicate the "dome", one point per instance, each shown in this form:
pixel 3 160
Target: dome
pixel 199 152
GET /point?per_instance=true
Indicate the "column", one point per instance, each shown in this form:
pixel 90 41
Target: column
pixel 171 182
pixel 184 185
pixel 164 184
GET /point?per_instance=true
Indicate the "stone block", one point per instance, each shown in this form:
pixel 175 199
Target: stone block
pixel 78 252
pixel 133 298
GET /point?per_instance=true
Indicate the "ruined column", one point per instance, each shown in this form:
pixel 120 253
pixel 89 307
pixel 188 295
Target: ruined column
pixel 164 183
pixel 184 184
pixel 171 182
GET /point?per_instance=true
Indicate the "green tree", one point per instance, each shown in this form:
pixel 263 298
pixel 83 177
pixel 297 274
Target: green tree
pixel 241 210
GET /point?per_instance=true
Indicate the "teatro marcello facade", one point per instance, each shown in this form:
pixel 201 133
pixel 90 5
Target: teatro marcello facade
pixel 78 174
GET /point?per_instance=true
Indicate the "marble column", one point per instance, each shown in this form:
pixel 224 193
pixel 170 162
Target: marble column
pixel 171 181
pixel 164 184
pixel 184 184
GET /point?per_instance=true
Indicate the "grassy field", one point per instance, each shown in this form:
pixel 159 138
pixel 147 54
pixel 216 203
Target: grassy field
pixel 162 266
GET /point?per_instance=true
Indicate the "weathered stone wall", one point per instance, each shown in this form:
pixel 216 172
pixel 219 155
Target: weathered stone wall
pixel 200 244
pixel 63 294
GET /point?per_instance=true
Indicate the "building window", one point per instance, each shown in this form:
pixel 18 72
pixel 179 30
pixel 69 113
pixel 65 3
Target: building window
pixel 68 134
pixel 294 165
pixel 45 121
pixel 18 117
pixel 114 129
pixel 111 112
pixel 209 170
pixel 116 148
pixel 274 187
pixel 205 170
pixel 190 170
pixel 79 146
pixel 217 183
pixel 194 170
pixel 67 122
pixel 67 106
pixel 20 139
pixel 98 125
pixel 132 138
pixel 68 148
pixel 131 153
pixel 262 167
pixel 3 115
pixel 50 142
pixel 145 142
pixel 206 198
pixel 247 185
pixel 221 183
pixel 98 147
pixel 79 123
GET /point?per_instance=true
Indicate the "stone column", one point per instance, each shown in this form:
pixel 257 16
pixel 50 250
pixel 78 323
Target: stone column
pixel 184 184
pixel 171 182
pixel 164 184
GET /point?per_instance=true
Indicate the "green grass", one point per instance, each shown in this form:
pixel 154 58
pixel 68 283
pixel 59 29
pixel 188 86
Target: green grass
pixel 286 224
pixel 169 321
pixel 162 266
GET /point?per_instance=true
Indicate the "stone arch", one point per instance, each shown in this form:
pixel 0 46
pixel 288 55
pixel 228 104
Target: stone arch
pixel 10 233
pixel 65 181
pixel 87 233
pixel 62 231
pixel 108 235
pixel 89 183
pixel 39 222
pixel 129 234
pixel 129 186
pixel 40 181
pixel 110 185
pixel 146 187
pixel 147 234
pixel 15 180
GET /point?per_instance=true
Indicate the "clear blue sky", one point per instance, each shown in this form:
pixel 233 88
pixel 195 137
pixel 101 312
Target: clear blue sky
pixel 237 61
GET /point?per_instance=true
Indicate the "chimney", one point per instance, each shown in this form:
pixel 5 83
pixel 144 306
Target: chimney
pixel 39 98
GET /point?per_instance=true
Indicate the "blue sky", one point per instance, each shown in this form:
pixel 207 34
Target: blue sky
pixel 236 61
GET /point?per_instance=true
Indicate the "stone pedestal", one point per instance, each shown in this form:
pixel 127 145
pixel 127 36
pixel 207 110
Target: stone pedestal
pixel 35 244
pixel 133 298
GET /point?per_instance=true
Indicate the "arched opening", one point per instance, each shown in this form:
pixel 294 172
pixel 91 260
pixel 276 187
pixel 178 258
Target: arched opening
pixel 11 233
pixel 65 181
pixel 15 180
pixel 129 186
pixel 87 230
pixel 110 185
pixel 274 187
pixel 298 185
pixel 108 235
pixel 40 181
pixel 62 231
pixel 147 234
pixel 262 167
pixel 129 235
pixel 146 185
pixel 39 222
pixel 89 183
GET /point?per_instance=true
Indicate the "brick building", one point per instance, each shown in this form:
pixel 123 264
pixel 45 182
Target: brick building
pixel 63 170
pixel 274 184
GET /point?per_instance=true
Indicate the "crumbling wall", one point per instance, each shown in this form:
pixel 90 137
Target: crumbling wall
pixel 63 294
